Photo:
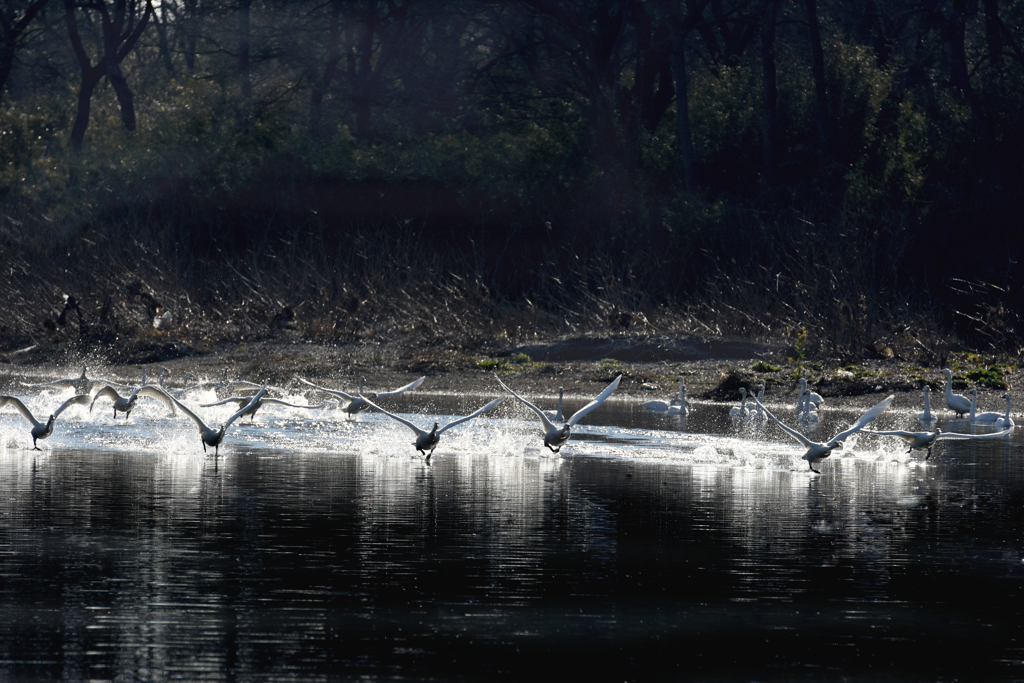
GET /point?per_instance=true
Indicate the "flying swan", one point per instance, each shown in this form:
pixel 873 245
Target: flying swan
pixel 817 451
pixel 40 430
pixel 425 441
pixel 126 405
pixel 211 436
pixel 555 437
pixel 919 440
pixel 355 404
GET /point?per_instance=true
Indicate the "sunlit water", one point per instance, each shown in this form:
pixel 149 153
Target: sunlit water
pixel 318 547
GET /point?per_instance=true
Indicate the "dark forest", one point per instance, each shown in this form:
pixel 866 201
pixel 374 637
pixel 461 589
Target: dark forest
pixel 846 176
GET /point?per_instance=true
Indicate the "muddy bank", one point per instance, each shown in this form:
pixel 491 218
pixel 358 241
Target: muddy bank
pixel 713 369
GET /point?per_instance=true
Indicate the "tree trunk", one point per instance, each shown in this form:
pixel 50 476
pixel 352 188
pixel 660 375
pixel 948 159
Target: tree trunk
pixel 769 96
pixel 89 81
pixel 818 71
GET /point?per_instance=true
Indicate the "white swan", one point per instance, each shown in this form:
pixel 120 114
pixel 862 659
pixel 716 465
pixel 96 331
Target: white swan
pixel 740 412
pixel 677 406
pixel 81 384
pixel 919 440
pixel 125 405
pixel 40 430
pixel 426 441
pixel 809 416
pixel 555 416
pixel 555 437
pixel 355 404
pixel 817 451
pixel 1005 422
pixel 214 437
pixel 986 418
pixel 757 414
pixel 815 397
pixel 927 417
pixel 251 412
pixel 955 402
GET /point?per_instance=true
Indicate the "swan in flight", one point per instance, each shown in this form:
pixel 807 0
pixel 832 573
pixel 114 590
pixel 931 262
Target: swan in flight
pixel 81 384
pixel 251 413
pixel 927 417
pixel 740 412
pixel 919 440
pixel 817 451
pixel 957 403
pixel 211 436
pixel 677 406
pixel 555 437
pixel 40 430
pixel 425 441
pixel 355 404
pixel 125 405
pixel 556 416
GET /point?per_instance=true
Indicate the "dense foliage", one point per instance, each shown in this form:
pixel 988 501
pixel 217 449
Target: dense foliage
pixel 845 173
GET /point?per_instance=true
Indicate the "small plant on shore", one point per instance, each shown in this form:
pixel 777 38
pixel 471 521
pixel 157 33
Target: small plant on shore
pixel 761 366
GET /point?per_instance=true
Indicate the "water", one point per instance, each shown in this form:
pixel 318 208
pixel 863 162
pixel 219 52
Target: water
pixel 322 548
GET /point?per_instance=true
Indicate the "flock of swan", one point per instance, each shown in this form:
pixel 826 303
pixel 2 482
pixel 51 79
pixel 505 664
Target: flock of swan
pixel 555 428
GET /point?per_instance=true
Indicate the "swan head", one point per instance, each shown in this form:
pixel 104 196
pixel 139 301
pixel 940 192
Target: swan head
pixel 743 392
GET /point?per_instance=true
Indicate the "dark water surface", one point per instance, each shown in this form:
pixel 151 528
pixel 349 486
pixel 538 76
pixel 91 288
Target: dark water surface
pixel 324 549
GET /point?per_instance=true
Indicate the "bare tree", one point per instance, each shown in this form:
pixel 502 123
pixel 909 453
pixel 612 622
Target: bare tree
pixel 120 29
pixel 14 20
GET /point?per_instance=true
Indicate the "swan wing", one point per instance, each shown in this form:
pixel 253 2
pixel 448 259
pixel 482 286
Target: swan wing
pixel 16 402
pixel 195 418
pixel 905 435
pixel 993 435
pixel 108 392
pixel 239 400
pixel 540 413
pixel 807 443
pixel 477 412
pixel 348 398
pixel 279 402
pixel 410 425
pixel 407 387
pixel 80 399
pixel 155 392
pixel 252 401
pixel 864 419
pixel 578 415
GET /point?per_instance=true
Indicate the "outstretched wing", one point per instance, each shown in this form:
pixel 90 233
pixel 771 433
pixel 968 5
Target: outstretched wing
pixel 410 425
pixel 864 419
pixel 348 398
pixel 155 392
pixel 279 402
pixel 239 400
pixel 540 413
pixel 16 402
pixel 407 387
pixel 480 411
pixel 195 418
pixel 807 443
pixel 906 436
pixel 108 392
pixel 80 399
pixel 246 407
pixel 578 415
pixel 993 435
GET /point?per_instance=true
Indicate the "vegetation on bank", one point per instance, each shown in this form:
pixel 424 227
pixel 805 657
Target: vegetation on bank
pixel 446 172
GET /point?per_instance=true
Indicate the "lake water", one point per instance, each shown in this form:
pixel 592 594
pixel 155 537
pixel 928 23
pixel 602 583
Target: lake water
pixel 318 547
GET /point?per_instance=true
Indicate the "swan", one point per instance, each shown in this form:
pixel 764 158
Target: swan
pixel 555 437
pixel 919 440
pixel 817 451
pixel 425 441
pixel 81 384
pixel 1006 421
pixel 815 397
pixel 809 416
pixel 678 405
pixel 987 418
pixel 355 404
pixel 927 417
pixel 555 416
pixel 211 436
pixel 125 405
pixel 740 412
pixel 957 403
pixel 40 430
pixel 244 400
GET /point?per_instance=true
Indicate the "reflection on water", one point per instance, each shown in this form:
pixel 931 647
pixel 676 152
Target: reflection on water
pixel 324 548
